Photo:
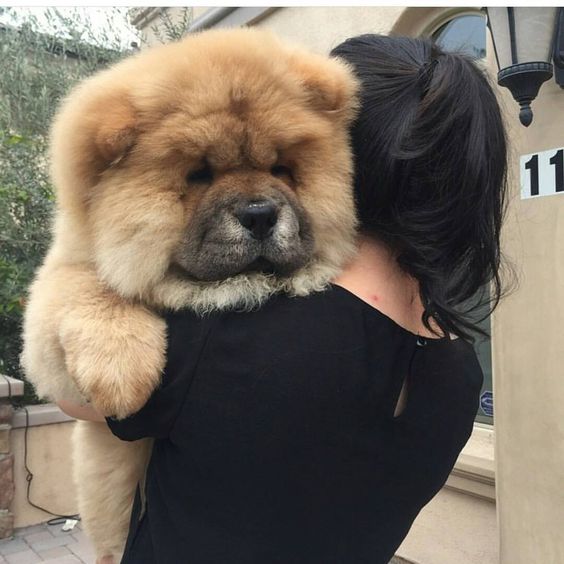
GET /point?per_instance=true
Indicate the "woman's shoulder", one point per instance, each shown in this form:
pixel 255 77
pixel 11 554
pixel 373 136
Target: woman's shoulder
pixel 321 320
pixel 335 311
pixel 332 302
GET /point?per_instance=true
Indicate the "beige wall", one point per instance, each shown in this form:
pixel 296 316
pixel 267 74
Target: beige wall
pixel 529 358
pixel 49 459
pixel 320 29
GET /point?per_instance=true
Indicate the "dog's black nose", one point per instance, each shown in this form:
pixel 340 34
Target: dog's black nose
pixel 258 217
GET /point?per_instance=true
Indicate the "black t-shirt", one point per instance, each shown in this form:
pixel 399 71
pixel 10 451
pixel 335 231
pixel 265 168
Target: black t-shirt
pixel 276 440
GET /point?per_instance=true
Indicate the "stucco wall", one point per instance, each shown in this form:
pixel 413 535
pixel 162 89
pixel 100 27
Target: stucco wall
pixel 322 28
pixel 49 459
pixel 529 356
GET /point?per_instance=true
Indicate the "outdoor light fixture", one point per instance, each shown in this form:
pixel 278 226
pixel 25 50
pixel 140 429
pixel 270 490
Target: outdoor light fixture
pixel 558 56
pixel 525 41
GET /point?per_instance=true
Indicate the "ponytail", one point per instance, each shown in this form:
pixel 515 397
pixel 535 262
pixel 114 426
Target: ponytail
pixel 431 162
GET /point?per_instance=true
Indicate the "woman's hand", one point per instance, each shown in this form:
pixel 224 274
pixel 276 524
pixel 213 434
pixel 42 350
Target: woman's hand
pixel 85 412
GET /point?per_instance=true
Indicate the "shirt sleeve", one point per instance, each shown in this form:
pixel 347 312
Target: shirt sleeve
pixel 187 335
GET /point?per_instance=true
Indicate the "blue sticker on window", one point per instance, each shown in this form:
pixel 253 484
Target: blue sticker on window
pixel 486 403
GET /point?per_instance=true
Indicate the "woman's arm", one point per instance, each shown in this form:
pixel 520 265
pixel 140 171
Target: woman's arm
pixel 85 412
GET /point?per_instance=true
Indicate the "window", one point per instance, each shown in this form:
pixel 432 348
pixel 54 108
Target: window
pixel 467 34
pixel 483 347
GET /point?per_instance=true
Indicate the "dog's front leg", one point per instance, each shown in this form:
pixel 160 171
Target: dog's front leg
pixel 114 349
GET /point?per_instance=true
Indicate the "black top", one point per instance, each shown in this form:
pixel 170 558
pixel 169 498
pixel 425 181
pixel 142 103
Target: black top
pixel 276 440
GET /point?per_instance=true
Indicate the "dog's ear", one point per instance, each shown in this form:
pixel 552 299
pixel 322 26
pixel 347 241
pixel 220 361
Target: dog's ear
pixel 95 127
pixel 115 132
pixel 330 84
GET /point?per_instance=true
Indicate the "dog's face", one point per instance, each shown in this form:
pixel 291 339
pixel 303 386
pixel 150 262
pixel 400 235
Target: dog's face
pixel 215 163
pixel 236 176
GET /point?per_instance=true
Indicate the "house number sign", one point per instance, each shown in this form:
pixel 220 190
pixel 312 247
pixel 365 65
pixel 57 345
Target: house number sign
pixel 542 174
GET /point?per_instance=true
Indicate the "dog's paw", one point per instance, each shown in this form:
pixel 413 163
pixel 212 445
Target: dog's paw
pixel 116 361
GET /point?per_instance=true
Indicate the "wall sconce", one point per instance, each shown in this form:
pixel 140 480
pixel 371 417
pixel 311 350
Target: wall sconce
pixel 525 42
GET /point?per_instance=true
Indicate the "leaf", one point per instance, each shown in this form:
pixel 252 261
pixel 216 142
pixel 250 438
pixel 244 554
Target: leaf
pixel 15 139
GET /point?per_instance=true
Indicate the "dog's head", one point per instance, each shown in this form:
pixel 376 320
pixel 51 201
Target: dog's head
pixel 209 172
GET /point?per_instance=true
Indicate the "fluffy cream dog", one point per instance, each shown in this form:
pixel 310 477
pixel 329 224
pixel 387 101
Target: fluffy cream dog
pixel 206 174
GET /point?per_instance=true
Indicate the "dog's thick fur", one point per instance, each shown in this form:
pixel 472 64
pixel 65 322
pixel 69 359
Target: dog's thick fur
pixel 153 161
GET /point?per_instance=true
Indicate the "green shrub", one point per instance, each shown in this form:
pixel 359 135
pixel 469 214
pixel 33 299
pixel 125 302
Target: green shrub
pixel 37 70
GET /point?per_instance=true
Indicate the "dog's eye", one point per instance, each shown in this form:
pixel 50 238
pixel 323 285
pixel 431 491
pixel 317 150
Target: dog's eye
pixel 203 175
pixel 284 173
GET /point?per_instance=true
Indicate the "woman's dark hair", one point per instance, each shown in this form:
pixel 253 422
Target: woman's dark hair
pixel 430 179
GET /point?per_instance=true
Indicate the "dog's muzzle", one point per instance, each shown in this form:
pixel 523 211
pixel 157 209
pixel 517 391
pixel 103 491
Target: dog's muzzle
pixel 242 234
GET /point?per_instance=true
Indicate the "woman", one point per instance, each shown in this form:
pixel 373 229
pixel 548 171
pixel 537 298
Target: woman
pixel 315 429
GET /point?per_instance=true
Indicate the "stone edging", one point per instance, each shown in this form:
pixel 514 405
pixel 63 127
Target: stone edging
pixel 45 414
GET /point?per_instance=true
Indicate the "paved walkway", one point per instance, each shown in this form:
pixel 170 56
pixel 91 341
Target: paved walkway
pixel 45 543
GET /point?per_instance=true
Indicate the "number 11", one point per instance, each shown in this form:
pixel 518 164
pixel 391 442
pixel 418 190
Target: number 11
pixel 558 161
pixel 533 165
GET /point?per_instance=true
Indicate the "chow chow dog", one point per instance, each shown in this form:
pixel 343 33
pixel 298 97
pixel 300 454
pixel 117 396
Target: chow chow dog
pixel 205 174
